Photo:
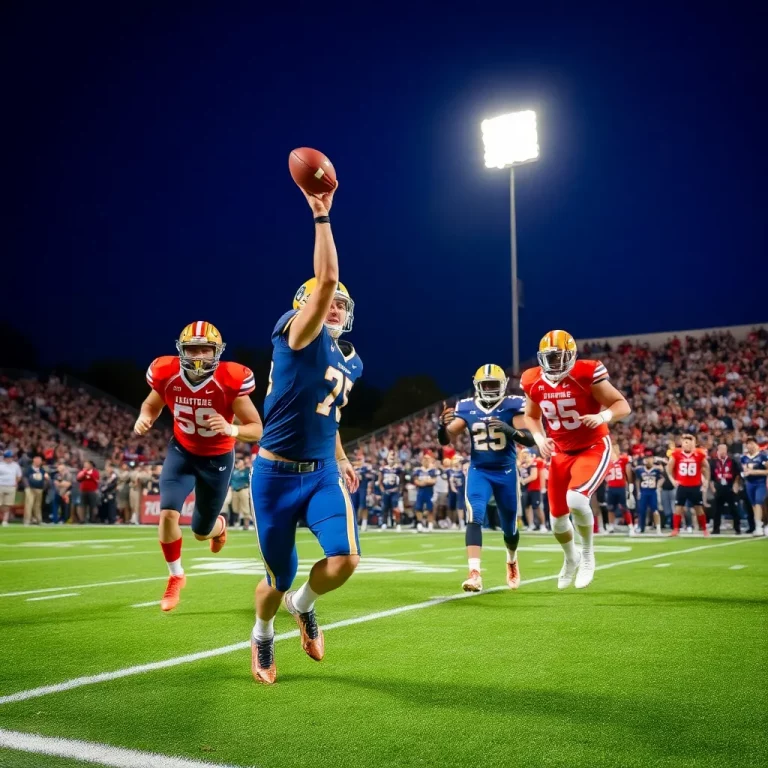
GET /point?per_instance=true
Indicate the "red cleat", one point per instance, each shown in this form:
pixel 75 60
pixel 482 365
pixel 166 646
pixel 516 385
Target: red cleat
pixel 675 533
pixel 513 575
pixel 263 661
pixel 172 592
pixel 707 534
pixel 218 542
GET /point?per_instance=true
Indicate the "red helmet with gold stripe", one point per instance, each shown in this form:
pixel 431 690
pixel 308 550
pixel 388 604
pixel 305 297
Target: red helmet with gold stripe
pixel 193 342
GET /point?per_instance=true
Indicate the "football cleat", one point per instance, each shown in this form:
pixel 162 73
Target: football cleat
pixel 513 575
pixel 567 572
pixel 263 660
pixel 171 595
pixel 218 542
pixel 586 570
pixel 312 640
pixel 674 532
pixel 474 583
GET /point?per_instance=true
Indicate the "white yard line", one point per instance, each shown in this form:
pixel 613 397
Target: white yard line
pixel 146 605
pixel 79 682
pixel 53 597
pixel 90 752
pixel 736 567
pixel 662 565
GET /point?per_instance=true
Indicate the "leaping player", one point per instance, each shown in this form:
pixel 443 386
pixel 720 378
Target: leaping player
pixel 301 469
pixel 494 420
pixel 205 395
pixel 578 403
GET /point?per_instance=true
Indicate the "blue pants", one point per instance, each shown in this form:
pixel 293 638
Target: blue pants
pixel 647 502
pixel 207 475
pixel 456 500
pixel 389 501
pixel 424 499
pixel 668 504
pixel 616 498
pixel 756 492
pixel 359 498
pixel 281 497
pixel 481 484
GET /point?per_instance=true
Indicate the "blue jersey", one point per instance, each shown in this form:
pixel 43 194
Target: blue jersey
pixel 758 461
pixel 421 472
pixel 241 478
pixel 307 390
pixel 490 448
pixel 365 475
pixel 390 479
pixel 456 480
pixel 648 479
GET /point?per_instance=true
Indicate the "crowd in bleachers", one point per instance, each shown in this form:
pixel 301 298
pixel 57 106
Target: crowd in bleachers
pixel 715 387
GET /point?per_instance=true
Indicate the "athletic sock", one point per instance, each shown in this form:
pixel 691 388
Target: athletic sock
pixel 304 599
pixel 511 556
pixel 263 630
pixel 474 564
pixel 172 555
pixel 677 521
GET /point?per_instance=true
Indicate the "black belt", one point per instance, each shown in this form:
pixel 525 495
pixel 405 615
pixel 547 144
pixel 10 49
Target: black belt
pixel 298 466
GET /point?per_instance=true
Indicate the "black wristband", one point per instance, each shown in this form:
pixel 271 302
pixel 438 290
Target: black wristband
pixel 442 435
pixel 322 219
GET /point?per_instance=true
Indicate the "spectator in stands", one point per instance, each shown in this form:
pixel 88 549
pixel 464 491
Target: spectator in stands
pixel 35 483
pixel 10 475
pixel 123 493
pixel 725 473
pixel 88 478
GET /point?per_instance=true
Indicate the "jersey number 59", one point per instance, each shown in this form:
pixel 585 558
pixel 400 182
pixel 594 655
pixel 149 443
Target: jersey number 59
pixel 200 415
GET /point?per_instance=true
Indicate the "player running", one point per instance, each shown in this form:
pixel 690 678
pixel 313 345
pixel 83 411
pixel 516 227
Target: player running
pixel 494 420
pixel 301 470
pixel 688 469
pixel 204 395
pixel 578 402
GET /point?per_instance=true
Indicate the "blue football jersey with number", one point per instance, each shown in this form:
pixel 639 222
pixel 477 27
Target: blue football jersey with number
pixel 648 479
pixel 490 448
pixel 759 461
pixel 307 390
pixel 390 479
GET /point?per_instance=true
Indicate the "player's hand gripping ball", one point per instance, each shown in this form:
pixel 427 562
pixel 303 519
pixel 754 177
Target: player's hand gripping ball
pixel 312 171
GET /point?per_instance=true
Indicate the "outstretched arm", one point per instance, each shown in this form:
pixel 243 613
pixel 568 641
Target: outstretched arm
pixel 307 324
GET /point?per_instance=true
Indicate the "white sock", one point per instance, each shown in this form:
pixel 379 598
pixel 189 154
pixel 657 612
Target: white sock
pixel 263 630
pixel 175 568
pixel 570 550
pixel 587 537
pixel 304 599
pixel 474 564
pixel 511 556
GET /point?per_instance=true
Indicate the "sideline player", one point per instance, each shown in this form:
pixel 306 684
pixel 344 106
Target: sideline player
pixel 494 420
pixel 204 395
pixel 301 470
pixel 754 464
pixel 365 475
pixel 389 481
pixel 578 402
pixel 424 478
pixel 649 478
pixel 616 494
pixel 688 469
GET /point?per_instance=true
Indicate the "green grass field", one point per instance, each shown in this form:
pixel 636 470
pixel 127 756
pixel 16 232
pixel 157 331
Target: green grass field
pixel 661 661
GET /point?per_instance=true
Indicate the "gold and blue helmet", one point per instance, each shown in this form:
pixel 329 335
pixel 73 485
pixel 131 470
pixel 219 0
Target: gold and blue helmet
pixel 305 291
pixel 490 384
pixel 199 334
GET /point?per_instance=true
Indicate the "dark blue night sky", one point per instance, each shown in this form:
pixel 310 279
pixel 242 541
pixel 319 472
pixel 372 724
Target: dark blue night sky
pixel 149 187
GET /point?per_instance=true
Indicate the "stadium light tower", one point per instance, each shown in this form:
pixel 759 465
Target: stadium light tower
pixel 511 140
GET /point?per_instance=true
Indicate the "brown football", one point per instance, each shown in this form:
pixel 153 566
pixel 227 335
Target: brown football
pixel 312 170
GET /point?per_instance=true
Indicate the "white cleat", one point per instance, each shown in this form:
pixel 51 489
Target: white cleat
pixel 586 570
pixel 398 528
pixel 567 572
pixel 474 583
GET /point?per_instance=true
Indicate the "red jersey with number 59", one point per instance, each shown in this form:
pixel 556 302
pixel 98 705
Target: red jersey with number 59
pixel 563 403
pixel 193 404
pixel 688 467
pixel 617 472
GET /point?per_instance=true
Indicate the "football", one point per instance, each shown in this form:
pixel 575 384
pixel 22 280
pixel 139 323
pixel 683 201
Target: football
pixel 312 170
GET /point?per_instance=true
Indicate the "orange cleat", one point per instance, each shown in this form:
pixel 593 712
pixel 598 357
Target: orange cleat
pixel 675 533
pixel 312 640
pixel 263 661
pixel 171 595
pixel 706 533
pixel 218 542
pixel 513 575
pixel 474 583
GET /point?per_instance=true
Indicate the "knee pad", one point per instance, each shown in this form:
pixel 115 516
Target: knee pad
pixel 474 535
pixel 511 540
pixel 560 524
pixel 579 505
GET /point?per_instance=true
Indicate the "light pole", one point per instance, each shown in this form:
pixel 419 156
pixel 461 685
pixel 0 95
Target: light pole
pixel 511 140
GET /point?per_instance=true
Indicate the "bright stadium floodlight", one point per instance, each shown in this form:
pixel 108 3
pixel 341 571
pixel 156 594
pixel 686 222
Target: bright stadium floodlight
pixel 512 140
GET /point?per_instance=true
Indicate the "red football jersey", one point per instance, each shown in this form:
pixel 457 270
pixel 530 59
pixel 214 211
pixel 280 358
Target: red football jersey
pixel 688 466
pixel 192 404
pixel 535 485
pixel 617 477
pixel 564 402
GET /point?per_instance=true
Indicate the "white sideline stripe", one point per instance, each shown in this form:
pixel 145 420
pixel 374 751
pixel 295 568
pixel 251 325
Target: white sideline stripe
pixel 79 682
pixel 662 565
pixel 101 754
pixel 736 567
pixel 107 584
pixel 52 597
pixel 145 605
